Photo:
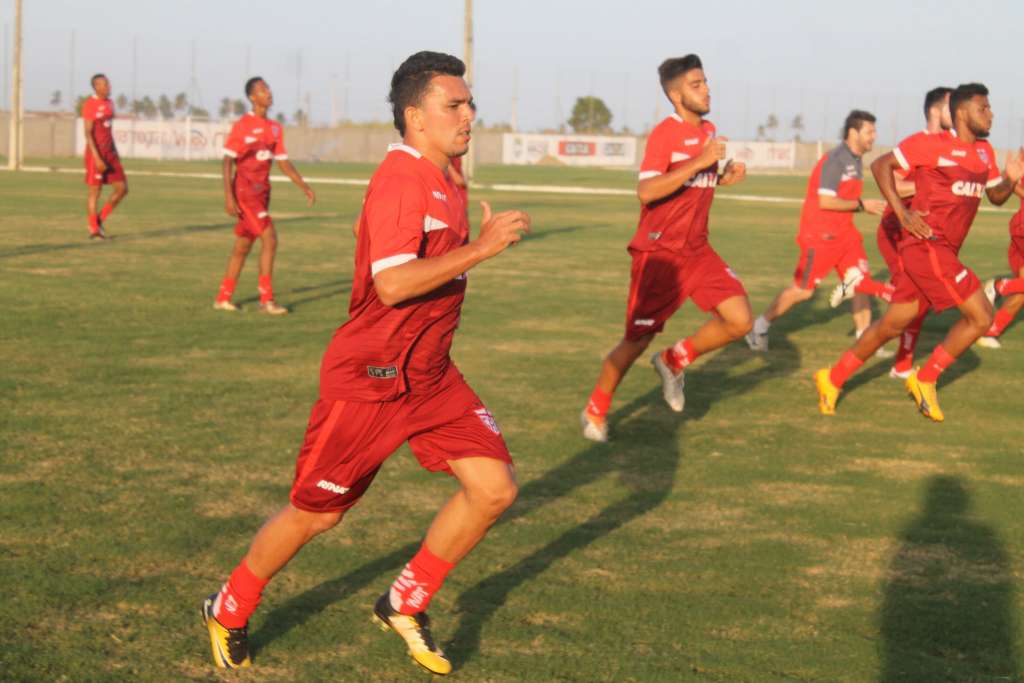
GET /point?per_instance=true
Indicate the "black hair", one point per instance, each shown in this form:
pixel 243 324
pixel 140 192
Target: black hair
pixel 963 93
pixel 410 81
pixel 250 84
pixel 674 67
pixel 92 81
pixel 934 97
pixel 855 119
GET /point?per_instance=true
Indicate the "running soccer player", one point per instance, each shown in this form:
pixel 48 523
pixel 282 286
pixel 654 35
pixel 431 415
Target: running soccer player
pixel 253 143
pixel 828 238
pixel 387 376
pixel 102 162
pixel 890 232
pixel 952 172
pixel 1010 287
pixel 672 259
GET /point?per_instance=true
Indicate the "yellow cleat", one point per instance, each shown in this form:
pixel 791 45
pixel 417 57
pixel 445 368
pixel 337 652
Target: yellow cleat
pixel 230 645
pixel 415 631
pixel 925 397
pixel 828 393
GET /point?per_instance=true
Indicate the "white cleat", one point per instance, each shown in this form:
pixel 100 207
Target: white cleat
pixel 990 291
pixel 989 343
pixel 897 374
pixel 271 308
pixel 845 290
pixel 671 384
pixel 225 306
pixel 593 429
pixel 757 341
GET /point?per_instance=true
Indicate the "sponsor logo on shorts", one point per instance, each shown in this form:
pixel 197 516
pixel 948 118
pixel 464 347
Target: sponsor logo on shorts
pixel 653 235
pixel 440 195
pixel 643 322
pixel 331 486
pixel 488 419
pixel 961 275
pixel 389 372
pixel 965 188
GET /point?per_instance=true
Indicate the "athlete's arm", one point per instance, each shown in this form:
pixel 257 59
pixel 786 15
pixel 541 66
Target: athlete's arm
pixel 293 175
pixel 662 185
pixel 1012 173
pixel 884 169
pixel 1019 190
pixel 91 143
pixel 422 275
pixel 905 188
pixel 830 203
pixel 230 205
pixel 735 172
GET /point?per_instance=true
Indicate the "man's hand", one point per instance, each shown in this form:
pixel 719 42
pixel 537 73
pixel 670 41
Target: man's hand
pixel 714 150
pixel 735 172
pixel 101 165
pixel 1014 168
pixel 501 230
pixel 913 222
pixel 231 207
pixel 310 195
pixel 876 207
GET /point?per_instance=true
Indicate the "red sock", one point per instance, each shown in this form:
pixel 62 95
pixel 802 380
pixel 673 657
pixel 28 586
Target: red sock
pixel 415 586
pixel 679 356
pixel 94 223
pixel 847 365
pixel 227 289
pixel 875 288
pixel 107 210
pixel 239 597
pixel 599 403
pixel 939 361
pixel 1003 319
pixel 1008 286
pixel 908 342
pixel 266 289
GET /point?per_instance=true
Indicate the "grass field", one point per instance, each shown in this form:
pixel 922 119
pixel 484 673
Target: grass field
pixel 145 437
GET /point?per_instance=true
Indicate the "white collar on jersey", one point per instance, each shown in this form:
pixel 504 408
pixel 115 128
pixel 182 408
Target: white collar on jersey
pixel 676 116
pixel 402 147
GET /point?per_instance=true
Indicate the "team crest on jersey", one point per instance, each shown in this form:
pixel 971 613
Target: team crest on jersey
pixel 488 419
pixel 983 155
pixel 275 130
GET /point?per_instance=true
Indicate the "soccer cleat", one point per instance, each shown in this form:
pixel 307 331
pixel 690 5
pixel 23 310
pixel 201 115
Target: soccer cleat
pixel 925 397
pixel 990 291
pixel 415 631
pixel 225 306
pixel 271 308
pixel 230 645
pixel 828 393
pixel 671 384
pixel 98 235
pixel 845 290
pixel 757 342
pixel 899 374
pixel 594 428
pixel 987 342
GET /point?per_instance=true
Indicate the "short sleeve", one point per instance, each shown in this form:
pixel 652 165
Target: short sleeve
pixel 395 212
pixel 280 153
pixel 657 155
pixel 88 110
pixel 235 144
pixel 831 175
pixel 995 176
pixel 914 151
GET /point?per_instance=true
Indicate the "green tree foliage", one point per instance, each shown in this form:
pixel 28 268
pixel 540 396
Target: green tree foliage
pixel 165 107
pixel 590 115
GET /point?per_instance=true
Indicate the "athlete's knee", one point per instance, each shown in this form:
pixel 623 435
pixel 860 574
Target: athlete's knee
pixel 493 498
pixel 122 192
pixel 243 246
pixel 800 294
pixel 319 522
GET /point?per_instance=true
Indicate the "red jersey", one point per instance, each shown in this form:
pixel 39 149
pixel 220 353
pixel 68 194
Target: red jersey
pixel 412 210
pixel 951 176
pixel 839 173
pixel 253 142
pixel 101 113
pixel 1017 222
pixel 678 222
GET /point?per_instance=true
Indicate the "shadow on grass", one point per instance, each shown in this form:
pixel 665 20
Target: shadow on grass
pixel 645 455
pixel 948 608
pixel 312 293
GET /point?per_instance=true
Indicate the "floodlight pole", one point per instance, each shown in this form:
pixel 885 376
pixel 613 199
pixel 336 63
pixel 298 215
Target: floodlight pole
pixel 468 162
pixel 15 152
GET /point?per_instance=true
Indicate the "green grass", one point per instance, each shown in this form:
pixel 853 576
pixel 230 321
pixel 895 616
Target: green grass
pixel 145 437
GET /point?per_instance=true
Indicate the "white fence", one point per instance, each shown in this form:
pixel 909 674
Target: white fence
pixel 571 150
pixel 180 139
pixel 757 155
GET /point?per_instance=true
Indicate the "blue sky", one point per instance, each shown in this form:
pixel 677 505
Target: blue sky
pixel 818 59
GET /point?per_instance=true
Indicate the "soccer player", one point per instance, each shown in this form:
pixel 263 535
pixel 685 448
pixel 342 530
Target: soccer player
pixel 951 172
pixel 102 162
pixel 672 259
pixel 1010 287
pixel 253 143
pixel 387 376
pixel 890 232
pixel 828 238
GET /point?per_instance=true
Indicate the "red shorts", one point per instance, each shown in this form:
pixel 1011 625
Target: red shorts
pixel 1015 254
pixel 255 216
pixel 662 280
pixel 347 442
pixel 816 262
pixel 889 231
pixel 114 172
pixel 933 273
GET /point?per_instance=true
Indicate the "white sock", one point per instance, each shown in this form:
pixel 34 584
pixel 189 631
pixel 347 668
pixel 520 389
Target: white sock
pixel 761 325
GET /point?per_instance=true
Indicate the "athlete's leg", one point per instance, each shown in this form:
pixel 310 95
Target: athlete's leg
pixel 268 250
pixel 283 535
pixel 91 202
pixel 975 321
pixel 619 360
pixel 860 307
pixel 241 249
pixel 733 319
pixel 119 193
pixel 785 300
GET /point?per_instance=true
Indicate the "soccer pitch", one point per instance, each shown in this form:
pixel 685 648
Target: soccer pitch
pixel 145 438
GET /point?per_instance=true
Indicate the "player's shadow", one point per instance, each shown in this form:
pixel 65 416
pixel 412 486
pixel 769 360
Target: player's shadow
pixel 309 294
pixel 948 612
pixel 644 454
pixel 543 234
